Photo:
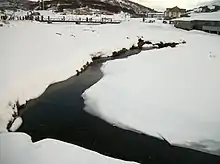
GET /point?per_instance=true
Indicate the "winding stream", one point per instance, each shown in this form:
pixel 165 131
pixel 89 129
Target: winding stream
pixel 58 113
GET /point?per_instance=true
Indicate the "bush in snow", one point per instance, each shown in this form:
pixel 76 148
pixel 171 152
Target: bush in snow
pixel 147 42
pixel 120 52
pixel 114 53
pixel 183 42
pixel 19 106
pixel 140 43
pixel 133 47
pixel 96 57
pixel 77 72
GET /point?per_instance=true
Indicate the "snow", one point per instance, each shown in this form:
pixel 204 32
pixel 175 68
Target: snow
pixel 173 91
pixel 34 56
pixel 18 148
pixel 212 16
pixel 16 124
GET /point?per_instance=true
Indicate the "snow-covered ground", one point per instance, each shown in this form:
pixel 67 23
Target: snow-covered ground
pixel 34 55
pixel 18 148
pixel 174 92
pixel 213 16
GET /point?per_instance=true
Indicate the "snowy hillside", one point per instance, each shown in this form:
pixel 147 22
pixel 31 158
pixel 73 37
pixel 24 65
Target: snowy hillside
pixel 18 148
pixel 131 5
pixel 113 6
pixel 207 8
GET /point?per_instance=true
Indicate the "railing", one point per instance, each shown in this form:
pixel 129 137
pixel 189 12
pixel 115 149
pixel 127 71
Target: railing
pixel 78 20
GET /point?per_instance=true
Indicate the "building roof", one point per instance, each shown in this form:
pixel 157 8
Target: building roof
pixel 175 9
pixel 213 16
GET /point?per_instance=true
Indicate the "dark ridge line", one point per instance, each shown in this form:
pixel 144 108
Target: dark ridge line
pixel 58 114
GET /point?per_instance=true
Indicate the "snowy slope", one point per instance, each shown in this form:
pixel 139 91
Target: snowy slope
pixel 113 6
pixel 17 148
pixel 174 92
pixel 131 5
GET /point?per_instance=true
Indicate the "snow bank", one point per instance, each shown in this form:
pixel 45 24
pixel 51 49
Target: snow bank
pixel 172 91
pixel 213 16
pixel 18 148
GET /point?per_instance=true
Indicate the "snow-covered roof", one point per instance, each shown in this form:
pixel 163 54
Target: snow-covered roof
pixel 175 9
pixel 213 16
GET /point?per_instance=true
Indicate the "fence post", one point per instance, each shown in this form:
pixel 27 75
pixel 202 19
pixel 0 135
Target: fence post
pixel 42 18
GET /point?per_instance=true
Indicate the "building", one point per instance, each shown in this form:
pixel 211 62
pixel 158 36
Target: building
pixel 155 15
pixel 174 12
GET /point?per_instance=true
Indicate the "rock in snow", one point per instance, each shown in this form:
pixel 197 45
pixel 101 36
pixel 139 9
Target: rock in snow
pixel 16 124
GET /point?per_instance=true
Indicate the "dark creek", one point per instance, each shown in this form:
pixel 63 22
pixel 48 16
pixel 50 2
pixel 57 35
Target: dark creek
pixel 58 113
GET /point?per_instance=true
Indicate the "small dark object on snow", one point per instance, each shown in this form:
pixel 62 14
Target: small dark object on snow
pixel 95 58
pixel 140 43
pixel 73 35
pixel 122 51
pixel 77 72
pixel 160 44
pixel 115 53
pixel 183 42
pixel 165 22
pixel 173 44
pixel 127 37
pixel 58 33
